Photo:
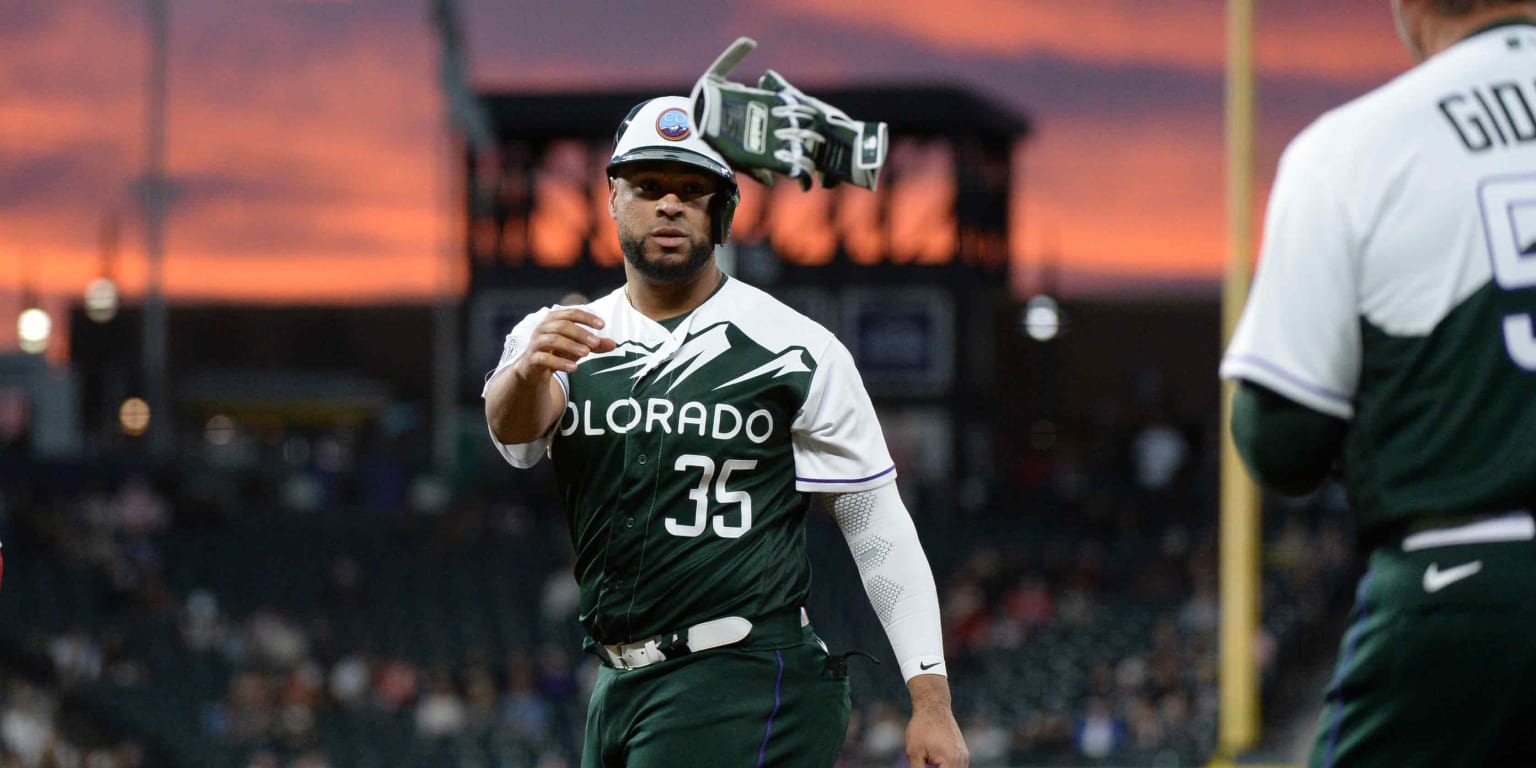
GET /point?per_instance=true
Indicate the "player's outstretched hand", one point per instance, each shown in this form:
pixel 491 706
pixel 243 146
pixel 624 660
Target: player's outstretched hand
pixel 525 402
pixel 565 336
pixel 933 736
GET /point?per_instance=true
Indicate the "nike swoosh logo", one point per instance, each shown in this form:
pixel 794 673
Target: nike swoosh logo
pixel 1436 579
pixel 929 666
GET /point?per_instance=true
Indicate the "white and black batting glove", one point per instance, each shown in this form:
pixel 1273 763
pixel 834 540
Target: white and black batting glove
pixel 852 150
pixel 758 131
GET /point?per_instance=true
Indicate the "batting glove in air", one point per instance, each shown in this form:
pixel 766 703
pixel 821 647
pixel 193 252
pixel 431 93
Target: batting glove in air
pixel 852 150
pixel 758 131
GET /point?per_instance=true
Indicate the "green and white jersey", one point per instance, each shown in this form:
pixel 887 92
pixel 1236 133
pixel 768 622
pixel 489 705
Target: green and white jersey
pixel 685 455
pixel 1397 286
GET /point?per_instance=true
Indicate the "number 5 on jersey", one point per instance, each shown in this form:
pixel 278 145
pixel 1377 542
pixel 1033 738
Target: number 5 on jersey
pixel 700 497
pixel 1509 221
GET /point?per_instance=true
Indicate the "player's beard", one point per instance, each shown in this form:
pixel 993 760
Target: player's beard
pixel 665 271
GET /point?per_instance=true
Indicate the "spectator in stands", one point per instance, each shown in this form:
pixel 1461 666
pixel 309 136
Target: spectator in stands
pixel 394 684
pixel 350 681
pixel 523 710
pixel 202 628
pixel 441 711
pixel 966 618
pixel 276 641
pixel 1099 734
pixel 77 658
pixel 987 741
pixel 1146 727
pixel 262 758
pixel 884 734
pixel 301 692
pixel 1030 602
pixel 1159 452
pixel 310 760
pixel 26 725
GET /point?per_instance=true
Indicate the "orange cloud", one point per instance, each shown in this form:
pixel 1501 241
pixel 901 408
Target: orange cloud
pixel 275 165
pixel 1142 200
pixel 1180 34
pixel 313 178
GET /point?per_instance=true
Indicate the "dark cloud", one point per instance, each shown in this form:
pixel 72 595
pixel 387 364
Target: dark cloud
pixel 206 190
pixel 79 175
pixel 25 19
pixel 299 232
pixel 629 42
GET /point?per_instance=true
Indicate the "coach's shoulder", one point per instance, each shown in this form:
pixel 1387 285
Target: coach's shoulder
pixel 1369 130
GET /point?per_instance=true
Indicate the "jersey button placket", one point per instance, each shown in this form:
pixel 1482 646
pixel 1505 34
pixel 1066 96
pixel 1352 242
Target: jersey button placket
pixel 637 452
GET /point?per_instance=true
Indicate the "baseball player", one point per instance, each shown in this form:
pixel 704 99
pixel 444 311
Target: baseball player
pixel 1393 321
pixel 695 423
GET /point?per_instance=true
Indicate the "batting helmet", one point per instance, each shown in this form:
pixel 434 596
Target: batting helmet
pixel 663 129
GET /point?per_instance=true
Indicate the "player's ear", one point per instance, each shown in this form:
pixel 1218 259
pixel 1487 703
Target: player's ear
pixel 613 199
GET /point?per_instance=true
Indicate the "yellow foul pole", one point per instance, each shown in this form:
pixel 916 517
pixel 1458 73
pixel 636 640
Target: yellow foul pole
pixel 1239 498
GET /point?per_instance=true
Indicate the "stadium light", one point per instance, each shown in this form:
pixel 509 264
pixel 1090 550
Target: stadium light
pixel 1042 318
pixel 101 300
pixel 33 328
pixel 220 430
pixel 133 416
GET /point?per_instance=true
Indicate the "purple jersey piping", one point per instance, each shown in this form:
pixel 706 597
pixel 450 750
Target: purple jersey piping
pixel 881 473
pixel 762 752
pixel 1259 362
pixel 1338 682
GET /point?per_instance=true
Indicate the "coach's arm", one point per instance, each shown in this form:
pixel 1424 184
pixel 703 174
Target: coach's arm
pixel 1288 447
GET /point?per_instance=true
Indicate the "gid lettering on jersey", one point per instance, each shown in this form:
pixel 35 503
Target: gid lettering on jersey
pixel 1494 116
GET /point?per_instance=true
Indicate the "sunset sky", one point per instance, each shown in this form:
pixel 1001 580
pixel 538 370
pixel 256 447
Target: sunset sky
pixel 304 133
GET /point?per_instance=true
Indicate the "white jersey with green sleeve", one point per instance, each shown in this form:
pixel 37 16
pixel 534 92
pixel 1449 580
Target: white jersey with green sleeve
pixel 1397 284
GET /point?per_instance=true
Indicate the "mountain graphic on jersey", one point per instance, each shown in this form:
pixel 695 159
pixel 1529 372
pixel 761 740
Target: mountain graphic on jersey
pixel 721 356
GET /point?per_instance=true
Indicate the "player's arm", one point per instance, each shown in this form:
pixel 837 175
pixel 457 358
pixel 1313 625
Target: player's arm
pixel 1288 447
pixel 900 585
pixel 524 399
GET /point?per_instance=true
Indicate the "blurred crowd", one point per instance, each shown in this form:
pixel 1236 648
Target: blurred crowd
pixel 1079 596
pixel 36 733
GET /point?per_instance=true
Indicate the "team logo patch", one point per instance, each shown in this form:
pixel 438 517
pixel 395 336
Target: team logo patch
pixel 673 125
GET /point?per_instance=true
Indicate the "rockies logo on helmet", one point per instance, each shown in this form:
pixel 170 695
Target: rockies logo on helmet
pixel 673 125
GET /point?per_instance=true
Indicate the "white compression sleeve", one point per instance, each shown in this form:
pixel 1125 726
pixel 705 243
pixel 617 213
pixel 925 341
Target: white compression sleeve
pixel 896 575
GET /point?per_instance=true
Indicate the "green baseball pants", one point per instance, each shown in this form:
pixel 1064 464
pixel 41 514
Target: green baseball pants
pixel 746 706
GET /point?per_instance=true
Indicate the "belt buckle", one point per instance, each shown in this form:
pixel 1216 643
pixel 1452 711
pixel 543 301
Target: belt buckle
pixel 636 655
pixel 614 655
